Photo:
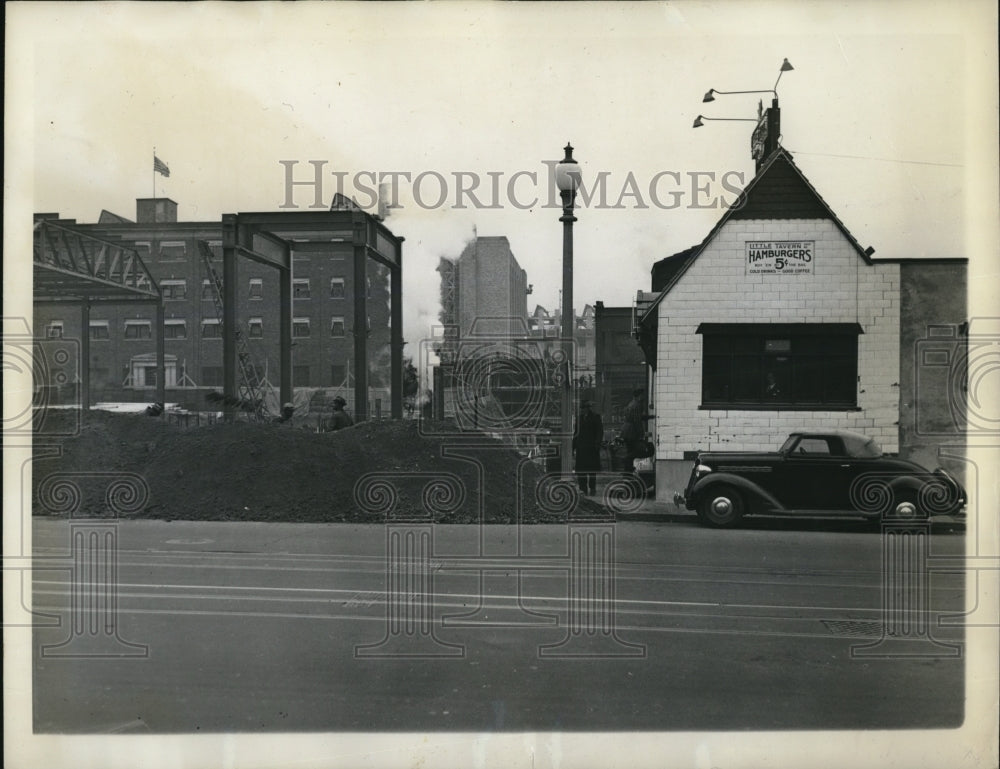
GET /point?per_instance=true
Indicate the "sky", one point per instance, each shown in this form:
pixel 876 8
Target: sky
pixel 885 112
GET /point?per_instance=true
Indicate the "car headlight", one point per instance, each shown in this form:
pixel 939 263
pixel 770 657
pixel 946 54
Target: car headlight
pixel 700 470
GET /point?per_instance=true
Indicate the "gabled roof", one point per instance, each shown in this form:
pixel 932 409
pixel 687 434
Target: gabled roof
pixel 664 270
pixel 107 217
pixel 779 191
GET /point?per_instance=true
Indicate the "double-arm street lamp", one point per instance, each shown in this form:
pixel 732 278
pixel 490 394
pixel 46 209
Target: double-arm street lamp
pixel 567 174
pixel 710 96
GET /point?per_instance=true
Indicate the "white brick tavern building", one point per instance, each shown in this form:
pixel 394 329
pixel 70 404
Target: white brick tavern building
pixel 779 320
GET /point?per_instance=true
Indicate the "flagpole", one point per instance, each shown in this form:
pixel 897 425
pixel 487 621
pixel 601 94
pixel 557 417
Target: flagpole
pixel 154 172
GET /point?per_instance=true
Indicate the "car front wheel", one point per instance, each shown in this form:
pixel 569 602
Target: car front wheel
pixel 720 507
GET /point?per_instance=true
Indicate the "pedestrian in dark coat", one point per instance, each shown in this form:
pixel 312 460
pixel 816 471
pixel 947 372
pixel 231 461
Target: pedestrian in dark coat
pixel 587 442
pixel 634 430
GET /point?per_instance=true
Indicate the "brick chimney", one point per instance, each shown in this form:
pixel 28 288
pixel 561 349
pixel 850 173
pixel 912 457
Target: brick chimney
pixel 767 134
pixel 155 210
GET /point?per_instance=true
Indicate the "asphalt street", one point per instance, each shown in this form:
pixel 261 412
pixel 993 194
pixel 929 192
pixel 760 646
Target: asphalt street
pixel 640 625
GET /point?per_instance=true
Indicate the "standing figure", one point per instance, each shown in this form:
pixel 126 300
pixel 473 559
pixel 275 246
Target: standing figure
pixel 340 417
pixel 587 446
pixel 634 430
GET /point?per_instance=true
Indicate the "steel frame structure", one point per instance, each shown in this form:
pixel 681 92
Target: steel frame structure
pixel 75 269
pixel 272 239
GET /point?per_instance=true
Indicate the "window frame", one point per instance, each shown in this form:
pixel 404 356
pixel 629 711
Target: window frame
pixel 213 322
pixel 101 324
pixel 735 354
pixel 137 323
pixel 171 256
pixel 298 323
pixel 172 284
pixel 180 323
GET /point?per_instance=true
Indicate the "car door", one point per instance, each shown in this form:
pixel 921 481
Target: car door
pixel 814 474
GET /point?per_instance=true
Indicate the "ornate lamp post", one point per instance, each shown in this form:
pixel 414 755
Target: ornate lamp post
pixel 567 174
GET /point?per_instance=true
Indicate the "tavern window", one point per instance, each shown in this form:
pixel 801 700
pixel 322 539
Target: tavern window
pixel 780 366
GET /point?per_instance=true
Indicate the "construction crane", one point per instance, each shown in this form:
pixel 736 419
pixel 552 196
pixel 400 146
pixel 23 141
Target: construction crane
pixel 251 387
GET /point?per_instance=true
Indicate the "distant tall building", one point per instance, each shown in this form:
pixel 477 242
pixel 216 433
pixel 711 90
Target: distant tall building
pixel 484 296
pixel 484 283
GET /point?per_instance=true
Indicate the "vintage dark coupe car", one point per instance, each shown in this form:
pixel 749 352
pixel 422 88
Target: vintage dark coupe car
pixel 828 473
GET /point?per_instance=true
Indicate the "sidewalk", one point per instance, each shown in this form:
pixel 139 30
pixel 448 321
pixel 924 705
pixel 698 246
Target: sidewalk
pixel 651 509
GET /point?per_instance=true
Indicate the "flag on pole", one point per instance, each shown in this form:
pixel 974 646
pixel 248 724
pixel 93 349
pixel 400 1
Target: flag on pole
pixel 160 167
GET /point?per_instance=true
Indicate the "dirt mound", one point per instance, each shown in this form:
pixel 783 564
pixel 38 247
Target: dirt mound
pixel 139 466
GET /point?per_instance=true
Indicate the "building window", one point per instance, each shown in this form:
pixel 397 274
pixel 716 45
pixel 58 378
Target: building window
pixel 99 330
pixel 173 289
pixel 206 290
pixel 211 376
pixel 255 328
pixel 54 330
pixel 173 251
pixel 211 328
pixel 138 329
pixel 143 373
pixel 337 288
pixel 300 376
pixel 175 329
pixel 256 288
pixel 300 288
pixel 300 327
pixel 780 366
pixel 337 327
pixel 142 248
pixel 338 375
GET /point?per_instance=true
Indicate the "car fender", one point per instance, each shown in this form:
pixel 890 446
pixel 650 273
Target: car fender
pixel 748 487
pixel 873 492
pixel 906 483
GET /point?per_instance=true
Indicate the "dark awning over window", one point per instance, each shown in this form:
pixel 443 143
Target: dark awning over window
pixel 780 329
